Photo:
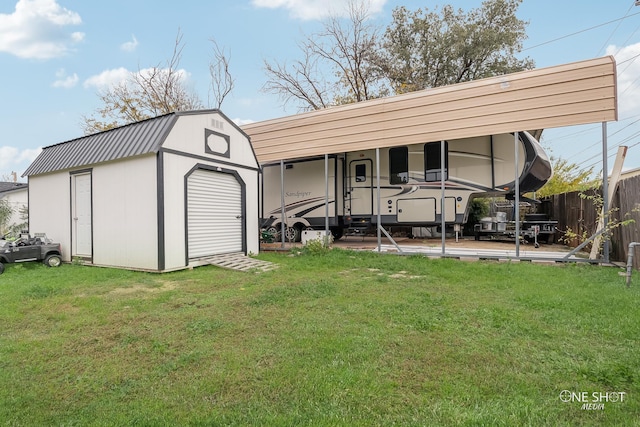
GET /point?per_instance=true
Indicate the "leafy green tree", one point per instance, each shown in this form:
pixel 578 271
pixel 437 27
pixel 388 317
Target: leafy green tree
pixel 567 177
pixel 5 215
pixel 424 49
pixel 478 209
pixel 348 61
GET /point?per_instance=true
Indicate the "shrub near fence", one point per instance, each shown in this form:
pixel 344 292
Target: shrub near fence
pixel 580 215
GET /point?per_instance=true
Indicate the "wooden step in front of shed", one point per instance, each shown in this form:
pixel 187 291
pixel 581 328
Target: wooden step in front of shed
pixel 239 261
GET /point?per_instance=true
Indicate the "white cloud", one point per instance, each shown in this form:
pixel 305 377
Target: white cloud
pixel 628 68
pixel 77 36
pixel 36 29
pixel 316 9
pixel 130 46
pixel 12 157
pixel 108 78
pixel 65 81
pixel 242 122
pixel 183 74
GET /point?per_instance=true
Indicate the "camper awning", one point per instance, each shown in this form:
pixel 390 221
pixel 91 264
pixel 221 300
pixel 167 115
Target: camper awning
pixel 571 94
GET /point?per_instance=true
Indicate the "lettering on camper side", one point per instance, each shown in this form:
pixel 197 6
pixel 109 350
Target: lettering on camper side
pixel 298 194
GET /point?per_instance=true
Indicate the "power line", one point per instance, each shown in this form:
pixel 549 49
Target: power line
pixel 609 157
pixel 627 41
pixel 614 31
pixel 569 135
pixel 584 150
pixel 615 133
pixel 581 31
pixel 615 147
pixel 629 59
pixel 632 59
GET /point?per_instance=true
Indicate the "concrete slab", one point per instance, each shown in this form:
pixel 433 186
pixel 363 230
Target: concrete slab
pixel 467 253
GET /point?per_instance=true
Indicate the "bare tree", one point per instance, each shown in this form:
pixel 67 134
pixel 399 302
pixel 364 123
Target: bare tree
pixel 222 81
pixel 351 50
pixel 347 50
pixel 302 82
pixel 146 93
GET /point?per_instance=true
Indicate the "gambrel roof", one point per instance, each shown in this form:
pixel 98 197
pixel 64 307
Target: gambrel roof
pixel 126 141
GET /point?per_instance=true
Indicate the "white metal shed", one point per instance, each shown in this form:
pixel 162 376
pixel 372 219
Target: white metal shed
pixel 158 195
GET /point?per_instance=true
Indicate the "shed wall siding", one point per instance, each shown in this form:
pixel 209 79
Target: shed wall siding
pixel 125 213
pixel 571 94
pixel 188 136
pixel 50 209
pixel 176 167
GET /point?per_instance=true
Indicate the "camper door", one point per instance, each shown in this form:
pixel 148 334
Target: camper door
pixel 360 195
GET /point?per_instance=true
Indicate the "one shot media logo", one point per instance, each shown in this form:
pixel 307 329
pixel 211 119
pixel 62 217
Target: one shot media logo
pixel 593 401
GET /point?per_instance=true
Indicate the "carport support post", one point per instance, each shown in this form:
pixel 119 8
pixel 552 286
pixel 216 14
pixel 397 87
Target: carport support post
pixel 326 195
pixel 605 193
pixel 282 224
pixel 378 225
pixel 442 186
pixel 516 209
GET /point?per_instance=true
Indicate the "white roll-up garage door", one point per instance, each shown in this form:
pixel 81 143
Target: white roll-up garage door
pixel 214 214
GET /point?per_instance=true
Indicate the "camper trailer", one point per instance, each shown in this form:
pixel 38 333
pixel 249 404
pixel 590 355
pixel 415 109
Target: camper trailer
pixel 410 184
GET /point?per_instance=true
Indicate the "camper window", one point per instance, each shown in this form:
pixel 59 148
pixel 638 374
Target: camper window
pixel 398 165
pixel 361 173
pixel 433 161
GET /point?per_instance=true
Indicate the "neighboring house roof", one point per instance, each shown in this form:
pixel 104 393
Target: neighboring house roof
pixel 630 173
pixel 6 187
pixel 130 140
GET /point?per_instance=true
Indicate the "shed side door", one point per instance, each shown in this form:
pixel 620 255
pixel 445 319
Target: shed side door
pixel 81 227
pixel 214 214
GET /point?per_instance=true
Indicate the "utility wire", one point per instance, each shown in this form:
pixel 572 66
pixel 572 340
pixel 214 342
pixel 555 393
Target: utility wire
pixel 584 150
pixel 581 31
pixel 629 59
pixel 626 41
pixel 570 135
pixel 598 142
pixel 610 149
pixel 614 31
pixel 615 147
pixel 591 166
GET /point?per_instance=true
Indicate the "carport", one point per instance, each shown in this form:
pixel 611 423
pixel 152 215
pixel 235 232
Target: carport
pixel 571 94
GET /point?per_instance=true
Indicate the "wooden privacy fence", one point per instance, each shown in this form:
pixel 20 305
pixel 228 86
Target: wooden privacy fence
pixel 580 215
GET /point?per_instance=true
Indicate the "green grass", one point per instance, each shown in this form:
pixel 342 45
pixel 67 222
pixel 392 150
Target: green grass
pixel 333 339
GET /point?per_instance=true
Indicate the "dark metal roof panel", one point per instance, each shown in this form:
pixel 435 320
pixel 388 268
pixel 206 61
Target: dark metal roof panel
pixel 126 141
pixel 6 187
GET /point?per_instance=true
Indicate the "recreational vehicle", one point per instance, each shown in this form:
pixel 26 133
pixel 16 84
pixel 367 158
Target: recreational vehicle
pixel 410 184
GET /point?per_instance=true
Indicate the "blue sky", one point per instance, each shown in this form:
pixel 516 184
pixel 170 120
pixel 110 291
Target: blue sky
pixel 56 54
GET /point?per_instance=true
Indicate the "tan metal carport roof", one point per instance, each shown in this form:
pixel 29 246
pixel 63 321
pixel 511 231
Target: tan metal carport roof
pixel 564 95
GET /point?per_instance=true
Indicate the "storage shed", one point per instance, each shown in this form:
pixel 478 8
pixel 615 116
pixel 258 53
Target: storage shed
pixel 161 194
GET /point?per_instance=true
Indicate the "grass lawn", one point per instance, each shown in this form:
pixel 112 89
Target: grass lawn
pixel 336 339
